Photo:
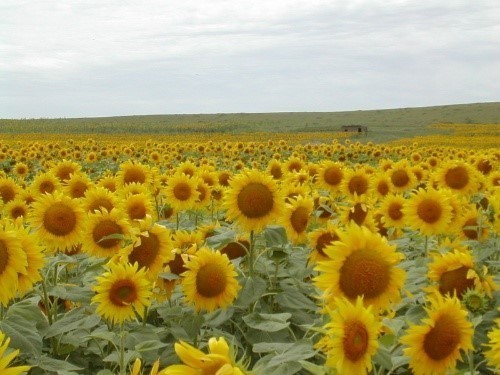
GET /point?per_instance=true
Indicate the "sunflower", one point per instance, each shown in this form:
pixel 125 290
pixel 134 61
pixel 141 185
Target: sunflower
pixel 210 280
pixel 58 220
pixel 137 206
pixel 428 211
pixel 435 345
pixel 108 182
pixel 359 210
pixel 45 183
pixel 361 263
pixel 330 176
pixel 401 177
pixel 455 272
pixel 473 225
pixel 21 170
pixel 77 185
pixel 351 337
pixel 16 209
pixel 218 361
pixel 253 200
pixel 237 248
pixel 492 354
pixel 152 249
pixel 458 176
pixel 34 257
pixel 381 185
pixel 64 169
pixel 181 192
pixel 204 194
pixel 98 198
pixel 13 261
pixel 9 189
pixel 102 224
pixel 121 292
pixel 355 183
pixel 275 169
pixel 319 239
pixel 6 359
pixel 131 171
pixel 296 218
pixel 391 209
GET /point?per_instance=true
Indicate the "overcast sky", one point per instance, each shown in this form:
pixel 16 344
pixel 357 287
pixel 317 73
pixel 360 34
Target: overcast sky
pixel 86 58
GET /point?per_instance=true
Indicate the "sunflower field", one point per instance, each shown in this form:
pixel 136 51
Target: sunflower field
pixel 212 254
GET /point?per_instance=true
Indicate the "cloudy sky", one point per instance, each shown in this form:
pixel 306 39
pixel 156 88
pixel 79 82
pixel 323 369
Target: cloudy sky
pixel 85 58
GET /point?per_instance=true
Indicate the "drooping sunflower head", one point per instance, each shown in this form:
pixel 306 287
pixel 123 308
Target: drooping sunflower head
pixel 210 280
pixel 351 337
pixel 435 345
pixel 253 200
pixel 296 218
pixel 121 292
pixel 58 220
pixel 473 225
pixel 428 211
pixel 319 239
pixel 362 263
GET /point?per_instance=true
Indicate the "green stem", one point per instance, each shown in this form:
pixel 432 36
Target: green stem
pixel 426 244
pixel 470 357
pixel 251 254
pixel 178 219
pixel 2 312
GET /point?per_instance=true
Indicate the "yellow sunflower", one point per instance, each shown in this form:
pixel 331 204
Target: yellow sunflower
pixel 5 360
pixel 77 185
pixel 13 261
pixel 359 210
pixel 401 177
pixel 435 345
pixel 98 198
pixel 64 169
pixel 296 218
pixel 458 176
pixel 45 183
pixel 133 172
pixel 275 169
pixel 16 209
pixel 253 200
pixel 473 225
pixel 330 176
pixel 108 182
pixel 137 206
pixel 351 337
pixel 58 220
pixel 152 248
pixel 361 263
pixel 121 292
pixel 355 182
pixel 492 354
pixel 102 224
pixel 9 189
pixel 391 209
pixel 455 272
pixel 180 192
pixel 381 185
pixel 428 211
pixel 210 280
pixel 218 361
pixel 319 239
pixel 34 256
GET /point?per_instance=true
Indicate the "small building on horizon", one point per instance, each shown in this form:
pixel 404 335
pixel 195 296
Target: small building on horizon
pixel 354 128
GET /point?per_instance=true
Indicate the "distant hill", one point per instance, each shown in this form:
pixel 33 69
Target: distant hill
pixel 387 124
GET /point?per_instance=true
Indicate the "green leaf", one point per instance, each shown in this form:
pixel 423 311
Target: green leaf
pixel 150 345
pixel 267 322
pixel 56 365
pixel 266 347
pixel 298 351
pixel 275 236
pixel 313 368
pixel 74 293
pixel 252 289
pixel 415 314
pixel 71 321
pixel 23 335
pixel 292 298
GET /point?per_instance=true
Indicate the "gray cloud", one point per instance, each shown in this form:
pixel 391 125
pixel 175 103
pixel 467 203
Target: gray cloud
pixel 94 58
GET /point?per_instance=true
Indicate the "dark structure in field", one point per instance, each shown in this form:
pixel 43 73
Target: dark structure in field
pixel 354 128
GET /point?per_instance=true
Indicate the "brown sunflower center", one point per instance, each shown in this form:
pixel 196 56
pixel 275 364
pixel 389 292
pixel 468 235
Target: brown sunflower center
pixel 182 191
pixel 400 178
pixel 78 189
pixel 235 250
pixel 324 240
pixel 470 228
pixel 358 214
pixel 59 219
pixel 364 274
pixel 332 176
pixel 134 175
pixel 456 178
pixel 7 193
pixel 255 200
pixel 103 229
pixel 18 211
pixel 136 211
pixel 146 253
pixel 455 281
pixel 4 257
pixel 177 265
pixel 484 166
pixel 383 188
pixel 358 185
pixel 46 187
pixel 355 340
pixel 123 293
pixel 299 219
pixel 276 172
pixel 442 339
pixel 394 211
pixel 203 192
pixel 211 280
pixel 429 210
pixel 99 203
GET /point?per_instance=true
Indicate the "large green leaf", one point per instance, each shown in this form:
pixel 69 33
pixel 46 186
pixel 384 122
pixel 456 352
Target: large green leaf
pixel 267 322
pixel 71 321
pixel 253 288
